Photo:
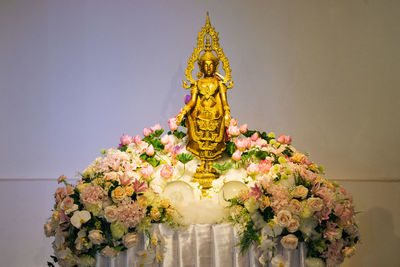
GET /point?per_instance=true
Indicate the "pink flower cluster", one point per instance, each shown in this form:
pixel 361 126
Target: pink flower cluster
pixel 130 213
pixel 92 194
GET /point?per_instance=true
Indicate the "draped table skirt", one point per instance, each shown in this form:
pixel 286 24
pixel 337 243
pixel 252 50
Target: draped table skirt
pixel 199 245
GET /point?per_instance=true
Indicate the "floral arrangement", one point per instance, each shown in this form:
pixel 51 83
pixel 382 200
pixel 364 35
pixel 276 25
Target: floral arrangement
pixel 120 195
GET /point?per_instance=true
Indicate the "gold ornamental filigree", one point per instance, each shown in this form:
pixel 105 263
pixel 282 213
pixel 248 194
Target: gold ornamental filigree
pixel 207 114
pixel 207 29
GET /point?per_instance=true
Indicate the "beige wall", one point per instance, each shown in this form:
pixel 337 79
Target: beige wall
pixel 75 75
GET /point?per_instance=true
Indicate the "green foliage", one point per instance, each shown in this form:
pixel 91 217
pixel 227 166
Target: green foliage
pixel 158 146
pixel 288 152
pixel 184 157
pixel 179 134
pixel 223 167
pixel 261 154
pixel 123 148
pixel 230 148
pixel 150 159
pixel 158 133
pixel 248 237
pixel 267 214
pixel 249 133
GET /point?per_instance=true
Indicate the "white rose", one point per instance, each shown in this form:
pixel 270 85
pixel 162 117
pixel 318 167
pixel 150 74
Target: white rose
pixel 96 237
pixel 293 225
pixel 109 252
pixel 315 203
pixel 283 218
pixel 300 191
pixel 111 213
pixel 289 241
pixel 130 240
pixel 295 206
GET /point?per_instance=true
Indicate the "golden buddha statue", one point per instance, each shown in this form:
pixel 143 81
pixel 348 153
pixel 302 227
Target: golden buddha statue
pixel 207 113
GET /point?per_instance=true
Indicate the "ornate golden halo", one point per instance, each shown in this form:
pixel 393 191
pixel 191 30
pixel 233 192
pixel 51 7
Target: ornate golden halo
pixel 207 29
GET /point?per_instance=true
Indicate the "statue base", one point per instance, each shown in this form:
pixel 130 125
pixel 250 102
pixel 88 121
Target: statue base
pixel 205 179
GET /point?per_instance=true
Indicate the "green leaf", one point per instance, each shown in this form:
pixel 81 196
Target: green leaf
pixel 123 148
pixel 288 152
pixel 249 133
pixel 261 154
pixel 158 146
pixel 184 157
pixel 223 167
pixel 150 159
pixel 158 133
pixel 179 134
pixel 230 148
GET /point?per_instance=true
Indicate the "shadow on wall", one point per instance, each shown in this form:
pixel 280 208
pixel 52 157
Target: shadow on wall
pixel 379 244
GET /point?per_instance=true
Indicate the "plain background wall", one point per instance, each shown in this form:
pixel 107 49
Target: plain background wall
pixel 75 75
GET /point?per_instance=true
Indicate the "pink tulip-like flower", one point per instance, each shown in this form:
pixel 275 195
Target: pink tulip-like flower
pixel 254 136
pixel 233 130
pixel 165 139
pixel 242 144
pixel 172 124
pixel 169 147
pixel 147 171
pixel 126 139
pixel 243 128
pixel 233 122
pixel 284 139
pixel 252 169
pixel 264 166
pixel 166 171
pixel 237 155
pixel 155 128
pixel 150 150
pixel 146 132
pixel 137 140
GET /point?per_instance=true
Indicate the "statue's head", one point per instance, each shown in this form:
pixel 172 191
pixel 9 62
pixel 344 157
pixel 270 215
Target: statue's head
pixel 208 63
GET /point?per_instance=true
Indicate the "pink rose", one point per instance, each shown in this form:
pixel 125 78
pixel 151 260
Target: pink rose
pixel 96 237
pixel 155 128
pixel 137 139
pixel 61 179
pixel 130 240
pixel 68 202
pixel 169 147
pixel 166 171
pixel 172 124
pixel 288 139
pixel 150 150
pixel 233 122
pixel 146 132
pixel 237 155
pixel 111 213
pixel 147 171
pixel 126 139
pixel 243 128
pixel 254 136
pixel 252 169
pixel 283 218
pixel 289 241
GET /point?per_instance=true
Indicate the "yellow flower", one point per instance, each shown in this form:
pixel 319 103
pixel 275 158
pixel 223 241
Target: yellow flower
pixel 118 194
pixel 129 190
pixel 165 203
pixel 313 167
pixel 298 157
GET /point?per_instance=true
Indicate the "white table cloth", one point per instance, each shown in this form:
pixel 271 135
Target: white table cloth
pixel 200 245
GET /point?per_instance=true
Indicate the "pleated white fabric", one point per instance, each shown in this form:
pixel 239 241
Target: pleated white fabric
pixel 200 245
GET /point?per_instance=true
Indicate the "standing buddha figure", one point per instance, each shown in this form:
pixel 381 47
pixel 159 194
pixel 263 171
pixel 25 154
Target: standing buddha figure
pixel 207 116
